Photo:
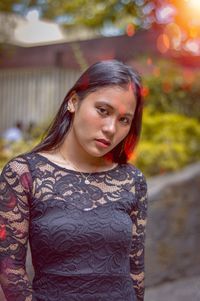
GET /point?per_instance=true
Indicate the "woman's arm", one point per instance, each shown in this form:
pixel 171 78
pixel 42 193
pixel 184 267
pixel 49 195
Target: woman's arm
pixel 15 186
pixel 139 218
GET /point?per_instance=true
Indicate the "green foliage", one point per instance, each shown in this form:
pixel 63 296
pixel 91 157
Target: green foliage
pixel 10 150
pixel 91 13
pixel 169 142
pixel 171 124
pixel 6 6
pixel 175 91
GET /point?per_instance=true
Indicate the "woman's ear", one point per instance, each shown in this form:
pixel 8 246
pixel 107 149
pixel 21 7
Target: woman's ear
pixel 73 102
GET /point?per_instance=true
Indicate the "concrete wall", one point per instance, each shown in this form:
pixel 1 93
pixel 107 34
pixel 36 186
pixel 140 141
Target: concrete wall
pixel 173 229
pixel 32 95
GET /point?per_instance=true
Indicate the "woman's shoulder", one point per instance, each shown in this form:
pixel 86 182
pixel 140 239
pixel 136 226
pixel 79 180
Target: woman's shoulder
pixel 140 182
pixel 137 173
pixel 16 175
pixel 17 165
pixel 138 176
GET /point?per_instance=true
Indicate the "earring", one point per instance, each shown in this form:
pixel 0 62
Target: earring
pixel 69 108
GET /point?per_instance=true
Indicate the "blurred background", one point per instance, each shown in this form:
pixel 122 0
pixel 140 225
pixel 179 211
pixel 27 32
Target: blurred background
pixel 46 44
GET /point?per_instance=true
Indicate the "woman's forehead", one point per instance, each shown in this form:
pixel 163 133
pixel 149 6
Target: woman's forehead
pixel 116 98
pixel 114 90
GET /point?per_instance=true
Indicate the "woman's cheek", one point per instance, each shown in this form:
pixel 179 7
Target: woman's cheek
pixel 92 117
pixel 122 136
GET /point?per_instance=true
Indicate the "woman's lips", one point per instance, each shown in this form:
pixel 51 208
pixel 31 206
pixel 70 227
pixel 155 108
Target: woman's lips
pixel 102 143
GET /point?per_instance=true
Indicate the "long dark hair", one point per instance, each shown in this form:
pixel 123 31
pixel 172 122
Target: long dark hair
pixel 97 76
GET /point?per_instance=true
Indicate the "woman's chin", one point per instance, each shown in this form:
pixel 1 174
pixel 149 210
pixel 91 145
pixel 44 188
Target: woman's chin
pixel 97 153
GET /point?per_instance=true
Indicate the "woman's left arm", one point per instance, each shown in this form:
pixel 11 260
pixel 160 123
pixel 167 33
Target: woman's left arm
pixel 139 219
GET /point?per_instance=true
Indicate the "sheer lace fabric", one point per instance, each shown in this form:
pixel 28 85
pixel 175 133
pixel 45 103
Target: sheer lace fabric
pixel 87 240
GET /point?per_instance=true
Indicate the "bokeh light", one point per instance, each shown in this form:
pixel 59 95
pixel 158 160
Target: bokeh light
pixel 194 4
pixel 156 71
pixel 163 43
pixel 173 32
pixel 181 26
pixel 165 14
pixel 130 29
pixel 149 61
pixel 145 91
pixel 167 87
pixel 32 15
pixel 192 46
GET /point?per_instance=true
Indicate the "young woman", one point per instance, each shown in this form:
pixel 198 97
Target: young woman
pixel 77 200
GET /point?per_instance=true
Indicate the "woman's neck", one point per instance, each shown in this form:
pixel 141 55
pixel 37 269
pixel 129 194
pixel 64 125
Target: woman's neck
pixel 81 159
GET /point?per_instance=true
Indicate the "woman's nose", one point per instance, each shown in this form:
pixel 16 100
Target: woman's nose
pixel 110 127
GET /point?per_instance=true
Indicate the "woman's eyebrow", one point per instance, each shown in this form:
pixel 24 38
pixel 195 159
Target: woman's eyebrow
pixel 111 107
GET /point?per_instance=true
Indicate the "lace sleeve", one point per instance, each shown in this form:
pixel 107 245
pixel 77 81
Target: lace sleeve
pixel 139 218
pixel 15 184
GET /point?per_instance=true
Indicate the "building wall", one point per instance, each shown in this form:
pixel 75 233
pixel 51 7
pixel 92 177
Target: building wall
pixel 32 95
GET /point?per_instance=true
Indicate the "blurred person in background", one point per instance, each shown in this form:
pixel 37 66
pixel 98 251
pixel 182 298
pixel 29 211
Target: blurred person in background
pixel 14 133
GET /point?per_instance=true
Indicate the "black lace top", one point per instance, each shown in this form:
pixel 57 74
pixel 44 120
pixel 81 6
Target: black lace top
pixel 87 240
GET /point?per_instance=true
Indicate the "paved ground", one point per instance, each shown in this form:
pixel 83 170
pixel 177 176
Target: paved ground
pixel 187 289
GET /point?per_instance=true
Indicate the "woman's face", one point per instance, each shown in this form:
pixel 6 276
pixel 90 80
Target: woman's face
pixel 104 114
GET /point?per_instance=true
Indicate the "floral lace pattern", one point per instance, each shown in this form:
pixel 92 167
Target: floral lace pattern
pixel 87 240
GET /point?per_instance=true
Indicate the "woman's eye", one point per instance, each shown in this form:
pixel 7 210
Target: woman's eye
pixel 125 120
pixel 102 111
